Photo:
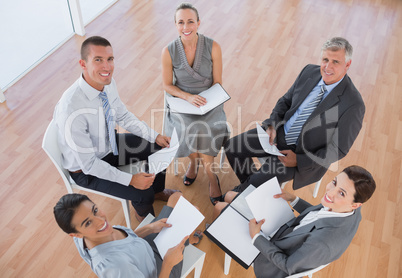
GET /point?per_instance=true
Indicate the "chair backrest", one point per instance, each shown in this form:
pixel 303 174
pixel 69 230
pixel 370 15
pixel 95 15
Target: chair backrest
pixel 51 146
pixel 308 272
pixel 164 112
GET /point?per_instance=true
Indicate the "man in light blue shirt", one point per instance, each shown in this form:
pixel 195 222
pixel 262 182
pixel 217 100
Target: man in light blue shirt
pixel 86 116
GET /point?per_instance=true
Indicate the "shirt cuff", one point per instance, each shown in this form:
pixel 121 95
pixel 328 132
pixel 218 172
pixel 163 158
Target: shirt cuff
pixel 292 204
pixel 125 178
pixel 255 237
pixel 152 136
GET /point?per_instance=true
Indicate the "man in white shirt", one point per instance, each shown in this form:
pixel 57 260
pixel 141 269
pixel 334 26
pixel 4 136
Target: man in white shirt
pixel 86 116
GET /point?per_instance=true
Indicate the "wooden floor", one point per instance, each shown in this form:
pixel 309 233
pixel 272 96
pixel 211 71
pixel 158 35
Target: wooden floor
pixel 265 44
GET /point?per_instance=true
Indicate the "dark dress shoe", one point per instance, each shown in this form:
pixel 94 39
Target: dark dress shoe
pixel 189 181
pixel 138 217
pixel 215 200
pixel 165 194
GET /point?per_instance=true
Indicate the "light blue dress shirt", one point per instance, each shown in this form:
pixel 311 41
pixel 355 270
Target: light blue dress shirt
pixel 313 94
pixel 83 138
pixel 128 257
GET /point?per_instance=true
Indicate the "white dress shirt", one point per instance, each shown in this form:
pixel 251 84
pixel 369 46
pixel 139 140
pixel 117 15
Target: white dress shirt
pixel 83 137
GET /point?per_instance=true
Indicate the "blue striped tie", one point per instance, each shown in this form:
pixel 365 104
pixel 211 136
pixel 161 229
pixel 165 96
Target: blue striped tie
pixel 110 122
pixel 294 131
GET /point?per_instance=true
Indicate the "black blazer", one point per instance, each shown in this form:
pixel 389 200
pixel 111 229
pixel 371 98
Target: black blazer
pixel 328 134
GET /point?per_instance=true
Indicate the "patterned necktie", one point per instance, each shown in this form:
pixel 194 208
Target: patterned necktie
pixel 294 131
pixel 110 122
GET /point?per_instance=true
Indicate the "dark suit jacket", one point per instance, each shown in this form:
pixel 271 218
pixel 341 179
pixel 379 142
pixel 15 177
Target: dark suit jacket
pixel 308 247
pixel 328 133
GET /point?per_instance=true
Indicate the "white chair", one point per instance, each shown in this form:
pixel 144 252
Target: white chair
pixel 308 273
pixel 2 97
pixel 51 147
pixel 193 258
pixel 317 185
pixel 226 267
pixel 175 161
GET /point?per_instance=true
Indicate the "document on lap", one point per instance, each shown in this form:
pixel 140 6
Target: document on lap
pixel 263 205
pixel 240 203
pixel 230 231
pixel 159 161
pixel 263 137
pixel 184 218
pixel 215 96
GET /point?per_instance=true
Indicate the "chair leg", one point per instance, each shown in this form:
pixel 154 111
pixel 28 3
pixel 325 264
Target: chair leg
pixel 198 267
pixel 2 97
pixel 222 159
pixel 317 188
pixel 176 166
pixel 228 260
pixel 126 210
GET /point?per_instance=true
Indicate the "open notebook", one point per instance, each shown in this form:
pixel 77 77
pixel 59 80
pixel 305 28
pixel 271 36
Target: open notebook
pixel 215 96
pixel 230 229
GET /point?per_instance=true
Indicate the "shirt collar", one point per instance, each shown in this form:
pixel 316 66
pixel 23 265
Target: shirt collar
pixel 326 212
pixel 88 90
pixel 329 87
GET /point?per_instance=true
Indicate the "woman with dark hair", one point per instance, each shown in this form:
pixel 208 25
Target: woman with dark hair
pixel 117 251
pixel 320 234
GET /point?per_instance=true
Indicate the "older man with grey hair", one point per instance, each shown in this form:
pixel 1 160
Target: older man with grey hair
pixel 313 125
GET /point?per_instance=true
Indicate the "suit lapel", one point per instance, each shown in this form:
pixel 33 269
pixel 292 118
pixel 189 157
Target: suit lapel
pixel 304 92
pixel 331 100
pixel 302 230
pixel 295 221
pixel 324 222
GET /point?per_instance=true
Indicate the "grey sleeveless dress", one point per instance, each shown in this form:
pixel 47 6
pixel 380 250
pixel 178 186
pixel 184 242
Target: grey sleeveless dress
pixel 197 133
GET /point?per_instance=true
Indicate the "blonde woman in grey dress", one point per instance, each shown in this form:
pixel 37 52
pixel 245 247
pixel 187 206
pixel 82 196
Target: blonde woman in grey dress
pixel 191 64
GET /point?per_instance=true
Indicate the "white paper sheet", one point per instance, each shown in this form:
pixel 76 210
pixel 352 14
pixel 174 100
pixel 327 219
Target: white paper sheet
pixel 240 203
pixel 215 96
pixel 182 106
pixel 231 230
pixel 160 160
pixel 262 203
pixel 264 141
pixel 184 218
